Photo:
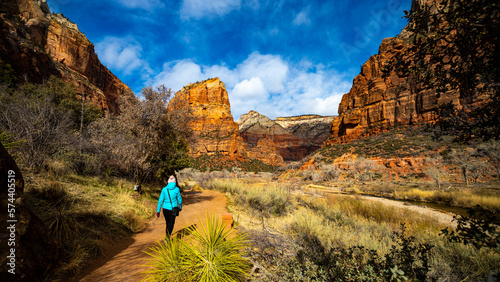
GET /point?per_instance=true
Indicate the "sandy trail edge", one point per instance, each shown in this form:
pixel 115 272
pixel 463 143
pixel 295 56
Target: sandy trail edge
pixel 126 259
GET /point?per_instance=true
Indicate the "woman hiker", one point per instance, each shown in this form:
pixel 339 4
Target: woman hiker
pixel 171 202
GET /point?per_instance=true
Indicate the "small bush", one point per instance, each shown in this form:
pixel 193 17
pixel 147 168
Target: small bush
pixel 56 168
pixel 53 192
pixel 271 200
pixel 63 224
pixel 133 221
pixel 406 259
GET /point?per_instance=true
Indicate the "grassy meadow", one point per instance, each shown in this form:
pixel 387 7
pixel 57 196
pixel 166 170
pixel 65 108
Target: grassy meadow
pixel 299 233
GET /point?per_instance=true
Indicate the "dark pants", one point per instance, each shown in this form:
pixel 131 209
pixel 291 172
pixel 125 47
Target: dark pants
pixel 169 220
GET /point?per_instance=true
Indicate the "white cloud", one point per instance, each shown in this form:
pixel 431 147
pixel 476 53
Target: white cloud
pixel 148 5
pixel 250 89
pixel 302 18
pixel 267 84
pixel 271 69
pixel 121 54
pixel 177 74
pixel 198 9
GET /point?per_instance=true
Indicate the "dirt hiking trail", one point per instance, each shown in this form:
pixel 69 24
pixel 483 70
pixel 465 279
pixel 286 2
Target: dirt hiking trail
pixel 126 259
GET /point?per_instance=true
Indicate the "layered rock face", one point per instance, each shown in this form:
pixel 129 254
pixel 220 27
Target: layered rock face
pixel 260 133
pixel 212 123
pixel 293 137
pixel 313 128
pixel 38 44
pixel 376 103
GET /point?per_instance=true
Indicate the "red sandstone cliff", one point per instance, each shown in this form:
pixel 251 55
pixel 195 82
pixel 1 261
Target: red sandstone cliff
pixel 38 44
pixel 293 137
pixel 376 103
pixel 212 123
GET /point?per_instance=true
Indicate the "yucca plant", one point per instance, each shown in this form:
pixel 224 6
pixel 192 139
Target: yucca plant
pixel 210 253
pixel 215 253
pixel 165 264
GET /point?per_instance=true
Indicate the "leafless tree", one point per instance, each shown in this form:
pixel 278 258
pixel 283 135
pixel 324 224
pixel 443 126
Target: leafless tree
pixel 491 150
pixel 477 169
pixel 434 170
pixel 142 135
pixel 464 160
pixel 331 172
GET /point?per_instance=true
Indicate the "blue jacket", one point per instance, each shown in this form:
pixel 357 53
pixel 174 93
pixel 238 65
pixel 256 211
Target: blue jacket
pixel 175 195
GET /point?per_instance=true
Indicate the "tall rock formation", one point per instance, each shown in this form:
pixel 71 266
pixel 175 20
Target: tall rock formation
pixel 293 137
pixel 375 103
pixel 38 44
pixel 212 123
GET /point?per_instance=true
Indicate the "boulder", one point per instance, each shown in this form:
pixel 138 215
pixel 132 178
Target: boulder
pixel 27 250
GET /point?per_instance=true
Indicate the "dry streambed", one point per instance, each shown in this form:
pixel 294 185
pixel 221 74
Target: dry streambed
pixel 441 216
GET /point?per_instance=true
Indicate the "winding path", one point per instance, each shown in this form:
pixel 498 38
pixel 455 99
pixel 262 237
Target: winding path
pixel 125 261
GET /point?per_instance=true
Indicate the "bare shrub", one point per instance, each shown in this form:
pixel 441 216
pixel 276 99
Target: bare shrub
pixel 265 175
pixel 188 173
pixel 317 176
pixel 203 179
pixel 434 170
pixel 331 172
pixel 307 174
pixel 364 169
pixel 44 131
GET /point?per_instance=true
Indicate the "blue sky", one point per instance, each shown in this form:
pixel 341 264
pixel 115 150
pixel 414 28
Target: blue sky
pixel 279 58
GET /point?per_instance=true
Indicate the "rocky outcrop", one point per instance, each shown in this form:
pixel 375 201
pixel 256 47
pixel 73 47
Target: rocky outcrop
pixel 313 128
pixel 38 44
pixel 376 102
pixel 28 252
pixel 293 137
pixel 261 135
pixel 214 130
pixel 265 150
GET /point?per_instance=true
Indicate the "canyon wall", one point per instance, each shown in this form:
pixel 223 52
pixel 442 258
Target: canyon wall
pixel 314 129
pixel 376 102
pixel 38 44
pixel 293 137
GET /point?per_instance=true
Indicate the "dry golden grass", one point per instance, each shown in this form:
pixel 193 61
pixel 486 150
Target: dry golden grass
pixel 349 220
pixel 463 198
pixel 85 212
